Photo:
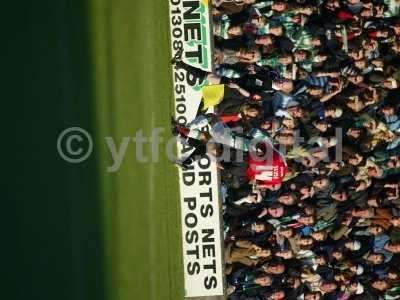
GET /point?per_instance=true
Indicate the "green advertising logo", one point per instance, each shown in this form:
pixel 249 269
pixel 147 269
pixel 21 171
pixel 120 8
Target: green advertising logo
pixel 204 42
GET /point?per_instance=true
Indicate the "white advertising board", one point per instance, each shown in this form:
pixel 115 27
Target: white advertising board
pixel 190 25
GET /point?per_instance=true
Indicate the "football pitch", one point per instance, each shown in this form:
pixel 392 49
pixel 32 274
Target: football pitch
pixel 83 232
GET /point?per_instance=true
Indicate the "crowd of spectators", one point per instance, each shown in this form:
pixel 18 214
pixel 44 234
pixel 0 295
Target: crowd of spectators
pixel 327 71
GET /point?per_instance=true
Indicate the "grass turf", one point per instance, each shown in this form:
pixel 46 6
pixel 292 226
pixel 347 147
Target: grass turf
pixel 81 232
pixel 131 43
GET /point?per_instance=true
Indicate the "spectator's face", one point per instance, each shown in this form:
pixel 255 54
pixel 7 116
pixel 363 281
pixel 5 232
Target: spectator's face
pixel 397 29
pixel 276 269
pixel 285 139
pixel 279 6
pixel 383 33
pixel 266 125
pixel 251 56
pixel 289 123
pixel 350 245
pixel 389 84
pixel 357 79
pixel 309 210
pixel 263 41
pixel 321 183
pixel 360 213
pixel 204 137
pixel 320 260
pixel 388 111
pixel 380 285
pixel 388 136
pixel 393 275
pixel 305 190
pixel 332 4
pixel 318 236
pixel 306 220
pixel 393 247
pixel 337 254
pixel 371 125
pixel 334 166
pixel 285 254
pixel 284 84
pixel 264 281
pixel 293 282
pixel 286 60
pixel 372 202
pixel 366 13
pixel 396 48
pixel 251 113
pixel 353 268
pixel 339 196
pixel 277 31
pixel 373 171
pixel 297 112
pixel 375 259
pixel 361 64
pixel 300 55
pixel 259 227
pixel 321 153
pixel 305 241
pixel 395 221
pixel 316 42
pixel 272 125
pixel 235 30
pixel 312 296
pixel 375 230
pixel 278 295
pixel 330 141
pixel 275 125
pixel 355 105
pixel 309 162
pixel 287 232
pixel 336 113
pixel 367 45
pixel 315 91
pixel 330 112
pixel 257 21
pixel 356 55
pixel 328 287
pixel 309 10
pixel 393 163
pixel 276 212
pixel 353 287
pixel 264 253
pixel 380 63
pixel 355 160
pixel 391 193
pixel 286 199
pixel 354 132
pixel 321 126
pixel 320 58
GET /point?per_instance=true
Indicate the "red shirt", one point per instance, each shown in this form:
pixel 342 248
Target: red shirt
pixel 268 170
